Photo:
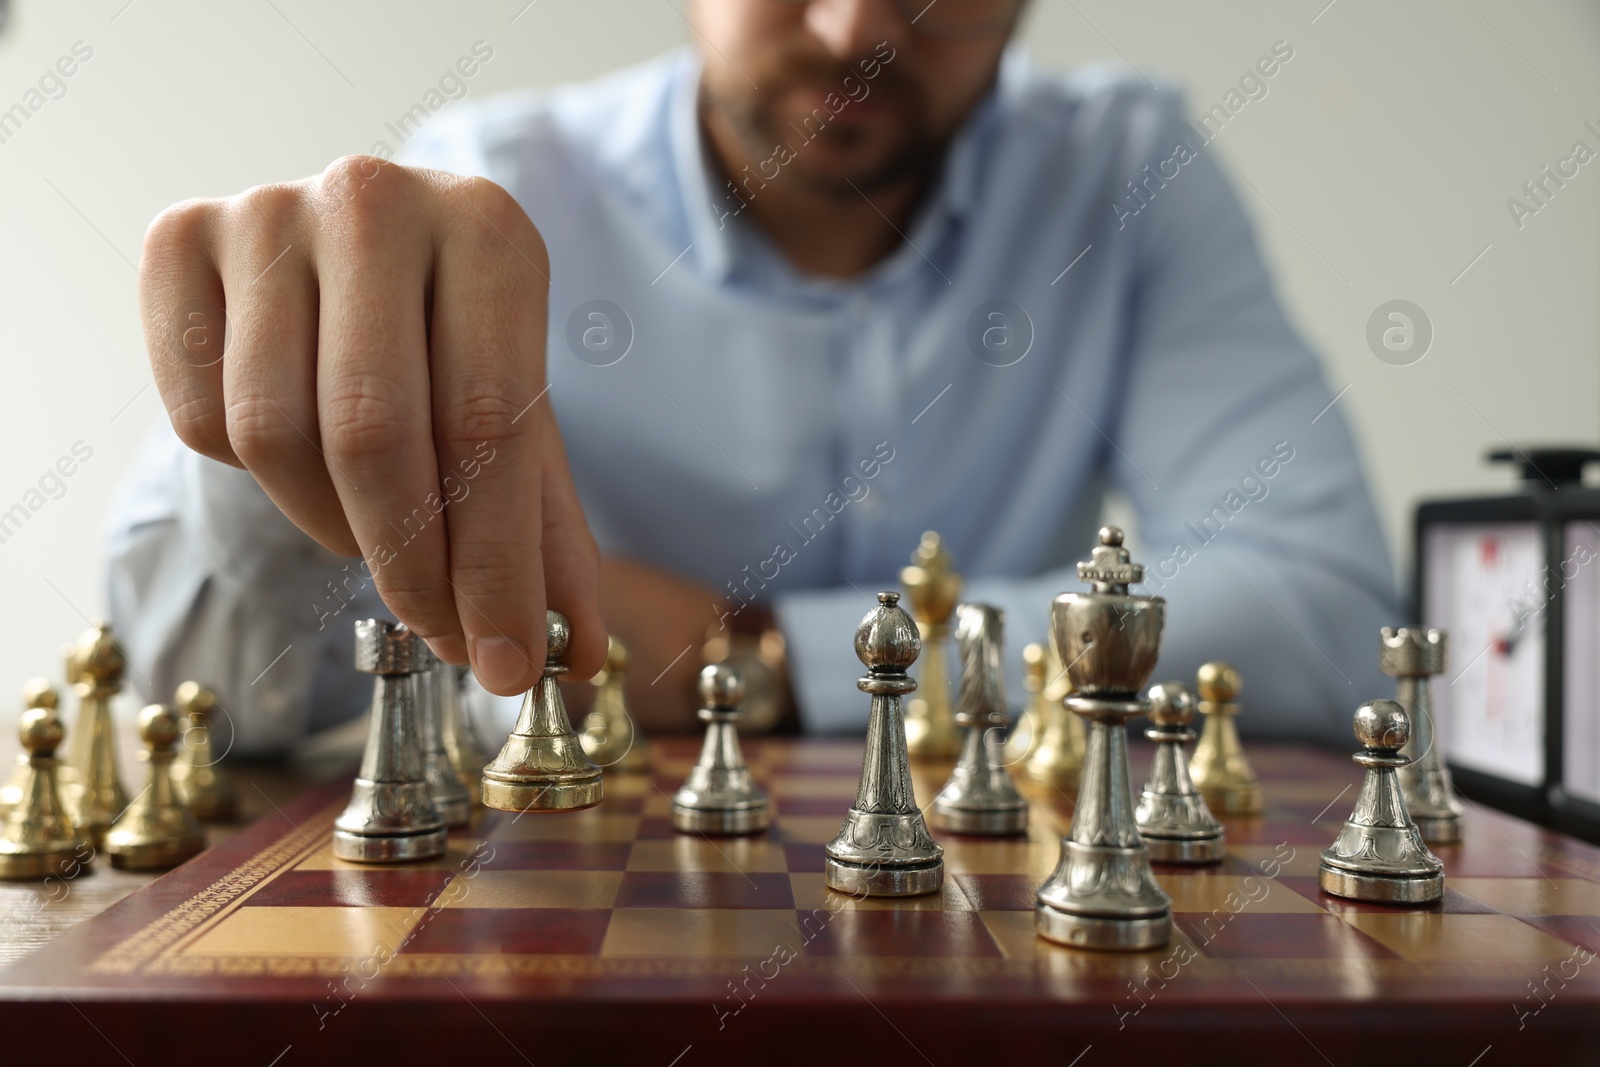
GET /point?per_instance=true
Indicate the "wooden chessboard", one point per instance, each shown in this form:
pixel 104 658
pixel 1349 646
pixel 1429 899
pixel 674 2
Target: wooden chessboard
pixel 560 938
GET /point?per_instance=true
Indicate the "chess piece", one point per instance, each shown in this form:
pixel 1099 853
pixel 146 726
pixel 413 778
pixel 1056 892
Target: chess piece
pixel 36 693
pixel 720 796
pixel 1172 816
pixel 980 797
pixel 1380 856
pixel 542 766
pixel 157 831
pixel 1023 738
pixel 1057 760
pixel 1103 894
pixel 460 742
pixel 390 817
pixel 95 792
pixel 932 587
pixel 38 838
pixel 1412 657
pixel 610 736
pixel 450 798
pixel 196 775
pixel 883 848
pixel 1218 766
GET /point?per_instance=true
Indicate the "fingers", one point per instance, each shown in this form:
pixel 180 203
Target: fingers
pixel 269 378
pixel 230 326
pixel 571 559
pixel 488 372
pixel 181 309
pixel 373 390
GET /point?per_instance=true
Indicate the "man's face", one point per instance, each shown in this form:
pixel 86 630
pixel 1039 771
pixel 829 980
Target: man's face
pixel 859 96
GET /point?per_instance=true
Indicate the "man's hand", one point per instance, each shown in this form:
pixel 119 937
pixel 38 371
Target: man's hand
pixel 385 357
pixel 663 619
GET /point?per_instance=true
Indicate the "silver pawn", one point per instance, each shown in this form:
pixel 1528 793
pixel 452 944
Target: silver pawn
pixel 1173 819
pixel 1103 894
pixel 1412 657
pixel 1379 856
pixel 391 817
pixel 980 797
pixel 883 848
pixel 720 796
pixel 450 797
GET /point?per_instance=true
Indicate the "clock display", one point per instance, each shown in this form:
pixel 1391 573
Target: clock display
pixel 1483 585
pixel 1580 574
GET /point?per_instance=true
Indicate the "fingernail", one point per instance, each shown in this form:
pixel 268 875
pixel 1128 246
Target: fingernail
pixel 499 662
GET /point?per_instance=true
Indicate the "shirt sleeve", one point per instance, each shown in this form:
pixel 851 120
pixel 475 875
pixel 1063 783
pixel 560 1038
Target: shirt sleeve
pixel 209 581
pixel 1254 519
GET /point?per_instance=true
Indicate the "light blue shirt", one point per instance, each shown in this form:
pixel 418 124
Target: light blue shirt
pixel 1078 305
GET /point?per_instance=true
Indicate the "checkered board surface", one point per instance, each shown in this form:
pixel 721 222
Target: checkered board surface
pixel 612 906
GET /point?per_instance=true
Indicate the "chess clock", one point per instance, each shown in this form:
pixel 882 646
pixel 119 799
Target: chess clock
pixel 1515 580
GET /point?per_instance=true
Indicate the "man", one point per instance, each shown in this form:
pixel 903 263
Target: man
pixel 847 271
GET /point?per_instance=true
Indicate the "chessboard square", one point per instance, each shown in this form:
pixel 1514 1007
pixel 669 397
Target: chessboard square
pixel 658 804
pixel 511 931
pixel 1220 896
pixel 373 887
pixel 811 891
pixel 1012 855
pixel 807 829
pixel 355 933
pixel 590 825
pixel 459 853
pixel 1267 936
pixel 805 858
pixel 1533 896
pixel 1432 935
pixel 533 889
pixel 854 934
pixel 503 855
pixel 655 828
pixel 1274 860
pixel 697 852
pixel 1490 860
pixel 697 933
pixel 704 889
pixel 999 892
pixel 1579 930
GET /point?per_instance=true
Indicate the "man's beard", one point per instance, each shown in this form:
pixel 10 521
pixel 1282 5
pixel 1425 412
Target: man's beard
pixel 755 119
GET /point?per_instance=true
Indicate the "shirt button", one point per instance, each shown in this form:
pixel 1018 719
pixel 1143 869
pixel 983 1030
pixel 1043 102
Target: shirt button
pixel 861 308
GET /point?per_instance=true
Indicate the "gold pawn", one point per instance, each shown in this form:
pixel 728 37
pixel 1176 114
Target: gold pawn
pixel 39 838
pixel 932 586
pixel 460 742
pixel 1057 758
pixel 94 792
pixel 1023 738
pixel 1218 766
pixel 610 736
pixel 36 693
pixel 157 831
pixel 199 781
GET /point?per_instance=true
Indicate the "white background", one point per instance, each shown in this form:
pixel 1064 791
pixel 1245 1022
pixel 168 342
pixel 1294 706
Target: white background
pixel 1378 167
